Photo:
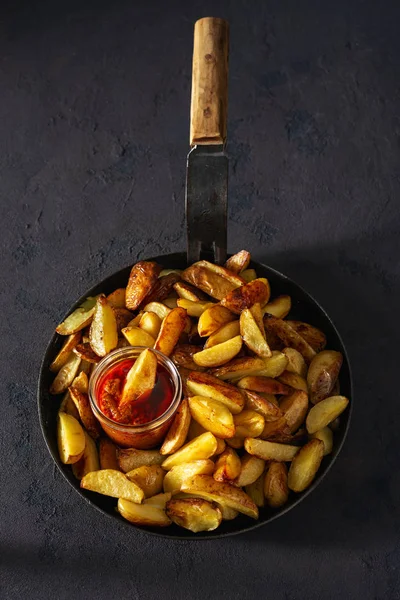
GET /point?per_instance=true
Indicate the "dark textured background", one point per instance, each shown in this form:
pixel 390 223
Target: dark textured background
pixel 94 101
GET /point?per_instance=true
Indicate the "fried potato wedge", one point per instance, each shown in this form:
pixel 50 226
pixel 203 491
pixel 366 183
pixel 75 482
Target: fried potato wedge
pixel 65 375
pixel 194 514
pixel 150 323
pixel 295 409
pixel 136 320
pixel 289 336
pixel 149 478
pixel 62 357
pixel 270 450
pixel 305 465
pixel 143 514
pixel 178 431
pixel 158 308
pixel 117 298
pixel 257 313
pixel 257 383
pixel 296 363
pixel 325 412
pixel 123 317
pixel 140 378
pixel 294 381
pixel 79 319
pixel 138 337
pixel 188 292
pixel 223 334
pixel 248 275
pixel 86 415
pixel 256 491
pixel 326 436
pixel 112 483
pixel 213 318
pixel 142 279
pixel 323 373
pixel 263 406
pixel 68 406
pixel 165 272
pixel 220 354
pixel 225 494
pixel 89 460
pixel 245 296
pixel 199 448
pixel 251 468
pixel 171 329
pixel 252 335
pixel 108 454
pixel 212 279
pixel 279 307
pixel 276 489
pixel 313 336
pixel 238 262
pixel 275 429
pixel 248 423
pixel 204 384
pixel 103 330
pixel 228 466
pixel 70 438
pixel 159 500
pixel 171 302
pixel 81 382
pixel 182 356
pixel 130 458
pixel 242 367
pixel 228 513
pixel 86 352
pixel 194 309
pixel 162 288
pixel 176 477
pixel 235 442
pixel 195 429
pixel 213 416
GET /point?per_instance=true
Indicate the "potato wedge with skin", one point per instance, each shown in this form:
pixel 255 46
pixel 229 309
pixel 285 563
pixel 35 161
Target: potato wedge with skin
pixel 171 302
pixel 142 279
pixel 295 409
pixel 112 483
pixel 117 298
pixel 140 378
pixel 314 336
pixel 138 337
pixel 276 489
pixel 86 352
pixel 123 317
pixel 136 320
pixel 206 487
pixel 194 309
pixel 270 450
pixel 235 442
pixel 257 313
pixel 296 363
pixel 81 382
pixel 194 514
pixel 86 415
pixel 204 384
pixel 323 373
pixel 68 406
pixel 305 465
pixel 89 460
pixel 213 318
pixel 66 375
pixel 289 336
pixel 108 454
pixel 242 367
pixel 251 468
pixel 143 514
pixel 158 308
pixel 103 330
pixel 213 416
pixel 159 500
pixel 175 478
pixel 326 436
pixel 162 288
pixel 171 328
pixel 227 466
pixel 165 272
pixel 248 275
pixel 274 429
pixel 130 458
pixel 325 412
pixel 199 448
pixel 150 323
pixel 228 513
pixel 269 385
pixel 188 292
pixel 212 279
pixel 195 429
pixel 182 356
pixel 248 423
pixel 79 319
pixel 274 342
pixel 279 307
pixel 223 334
pixel 256 491
pixel 149 478
pixel 294 381
pixel 220 354
pixel 263 406
pixel 252 335
pixel 178 431
pixel 245 296
pixel 70 438
pixel 64 354
pixel 238 262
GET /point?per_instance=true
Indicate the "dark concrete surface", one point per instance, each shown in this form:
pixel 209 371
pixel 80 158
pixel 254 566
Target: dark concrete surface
pixel 94 101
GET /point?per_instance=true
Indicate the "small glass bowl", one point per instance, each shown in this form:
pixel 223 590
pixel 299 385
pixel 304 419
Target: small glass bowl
pixel 144 436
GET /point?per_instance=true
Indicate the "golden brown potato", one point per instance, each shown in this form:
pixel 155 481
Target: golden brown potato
pixel 108 454
pixel 201 447
pixel 112 483
pixel 279 307
pixel 86 352
pixel 212 279
pixel 235 442
pixel 151 323
pixel 257 313
pixel 296 363
pixel 325 412
pixel 178 431
pixel 275 429
pixel 289 336
pixel 270 450
pixel 223 334
pixel 245 296
pixel 138 337
pixel 276 489
pixel 305 465
pixel 136 320
pixel 251 469
pixel 68 406
pixel 213 416
pixel 248 423
pixel 117 298
pixel 65 375
pixel 70 438
pixel 238 262
pixel 248 275
pixel 323 373
pixel 252 335
pixel 89 460
pixel 140 378
pixel 171 302
pixel 123 317
pixel 142 279
pixel 194 514
pixel 171 329
pixel 295 409
pixel 162 288
pixel 182 356
pixel 314 336
pixel 213 318
pixel 158 308
pixel 176 477
pixel 226 494
pixel 143 514
pixel 294 381
pixel 204 384
pixel 65 352
pixel 269 385
pixel 188 292
pixel 256 491
pixel 195 429
pixel 79 319
pixel 149 478
pixel 269 410
pixel 103 330
pixel 220 354
pixel 159 500
pixel 242 367
pixel 130 458
pixel 86 415
pixel 227 467
pixel 326 436
pixel 194 309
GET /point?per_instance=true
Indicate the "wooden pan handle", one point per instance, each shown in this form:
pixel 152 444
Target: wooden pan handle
pixel 209 103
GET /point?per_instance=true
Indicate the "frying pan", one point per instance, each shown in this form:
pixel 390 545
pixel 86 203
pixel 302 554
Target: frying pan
pixel 209 221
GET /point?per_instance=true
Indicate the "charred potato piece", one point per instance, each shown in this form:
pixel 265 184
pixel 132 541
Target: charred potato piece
pixel 289 336
pixel 245 296
pixel 248 423
pixel 227 467
pixel 108 454
pixel 295 409
pixel 62 357
pixel 276 489
pixel 112 483
pixel 223 334
pixel 264 384
pixel 238 262
pixel 178 431
pixel 294 381
pixel 86 415
pixel 279 307
pixel 201 447
pixel 325 412
pixel 171 329
pixel 162 288
pixel 314 336
pixel 89 460
pixel 213 318
pixel 220 354
pixel 251 469
pixel 270 450
pixel 182 356
pixel 103 330
pixel 326 436
pixel 252 335
pixel 149 478
pixel 204 384
pixel 143 514
pixel 142 279
pixel 188 292
pixel 79 319
pixel 70 438
pixel 130 458
pixel 138 337
pixel 296 363
pixel 305 465
pixel 212 279
pixel 176 477
pixel 194 514
pixel 65 375
pixel 117 298
pixel 323 373
pixel 213 416
pixel 265 407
